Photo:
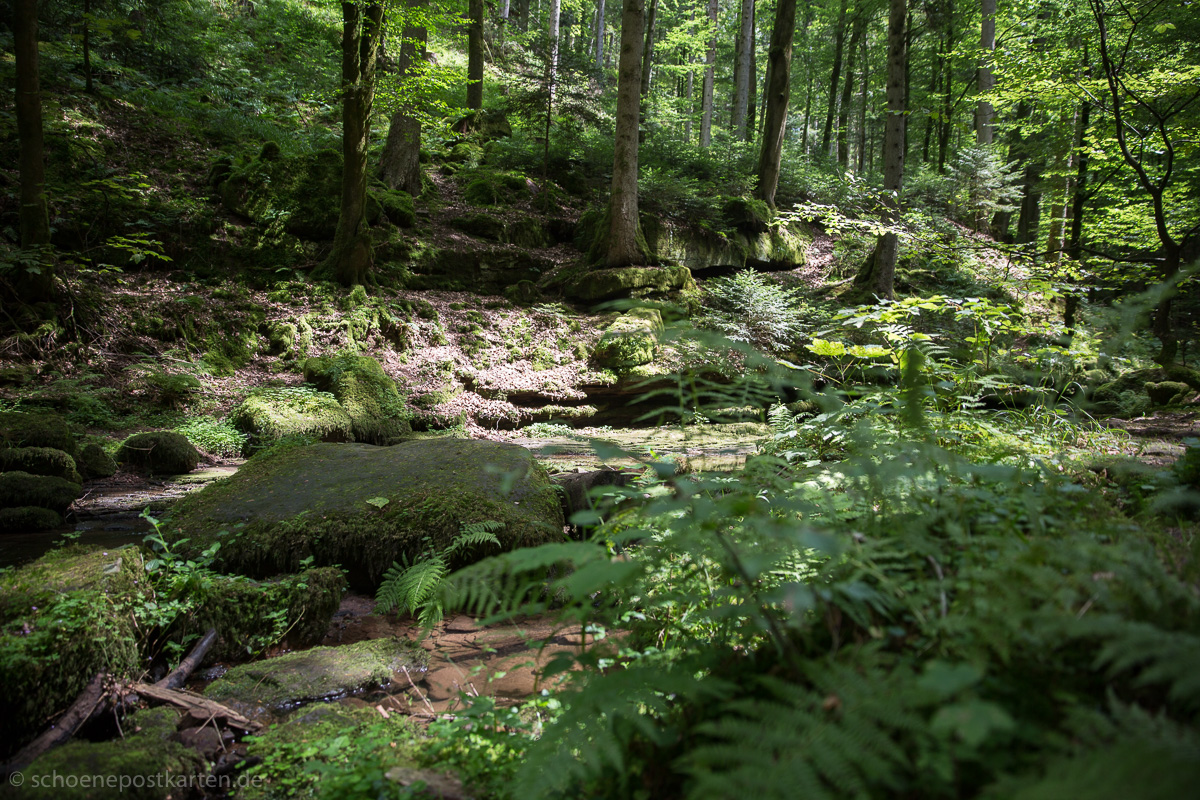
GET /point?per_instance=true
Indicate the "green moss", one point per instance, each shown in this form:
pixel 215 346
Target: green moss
pixel 746 214
pixel 26 519
pixel 249 614
pixel 485 226
pixel 1165 393
pixel 606 284
pixel 312 501
pixel 64 618
pixel 93 462
pixel 18 429
pixel 527 232
pixel 143 765
pixel 22 489
pixel 377 412
pixel 271 414
pixel 630 341
pixel 1136 381
pixel 39 461
pixel 397 207
pixel 321 673
pixel 159 453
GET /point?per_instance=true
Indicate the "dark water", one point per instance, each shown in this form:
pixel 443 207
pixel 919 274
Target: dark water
pixel 111 530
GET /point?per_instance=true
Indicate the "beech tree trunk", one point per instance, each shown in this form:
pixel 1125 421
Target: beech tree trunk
pixel 648 49
pixel 839 36
pixel 777 93
pixel 710 60
pixel 362 26
pixel 625 244
pixel 400 163
pixel 34 212
pixel 475 54
pixel 985 81
pixel 600 37
pixel 878 275
pixel 843 138
pixel 741 73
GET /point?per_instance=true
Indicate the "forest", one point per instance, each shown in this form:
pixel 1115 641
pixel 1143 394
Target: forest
pixel 571 398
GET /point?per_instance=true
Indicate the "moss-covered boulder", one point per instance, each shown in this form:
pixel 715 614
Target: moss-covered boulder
pixel 396 206
pixel 145 764
pixel 270 414
pixel 39 461
pixel 250 615
pixel 630 341
pixel 364 507
pixel 64 618
pixel 1136 381
pixel 28 519
pixel 1165 393
pixel 94 462
pixel 607 284
pixel 159 453
pixel 18 429
pixel 22 489
pixel 321 673
pixel 378 415
pixel 485 226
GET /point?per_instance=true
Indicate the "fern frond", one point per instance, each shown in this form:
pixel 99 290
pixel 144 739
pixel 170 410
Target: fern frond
pixel 1166 658
pixel 475 534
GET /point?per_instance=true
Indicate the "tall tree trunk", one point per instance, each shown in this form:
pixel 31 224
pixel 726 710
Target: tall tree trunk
pixel 34 211
pixel 752 98
pixel 777 91
pixel 843 140
pixel 648 50
pixel 862 107
pixel 362 28
pixel 710 61
pixel 87 46
pixel 985 81
pixel 400 163
pixel 839 36
pixel 600 38
pixel 741 72
pixel 475 54
pixel 945 126
pixel 551 84
pixel 878 275
pixel 625 244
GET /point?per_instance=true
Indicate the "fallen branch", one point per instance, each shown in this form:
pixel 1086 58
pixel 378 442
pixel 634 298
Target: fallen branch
pixel 62 730
pixel 180 674
pixel 189 701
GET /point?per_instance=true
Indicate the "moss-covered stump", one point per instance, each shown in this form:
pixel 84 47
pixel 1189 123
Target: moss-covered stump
pixel 271 414
pixel 378 414
pixel 249 614
pixel 39 461
pixel 144 765
pixel 630 341
pixel 607 284
pixel 364 507
pixel 28 519
pixel 22 489
pixel 319 674
pixel 93 462
pixel 159 453
pixel 18 429
pixel 63 618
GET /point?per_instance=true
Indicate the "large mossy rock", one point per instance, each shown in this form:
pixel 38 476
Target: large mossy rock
pixel 318 674
pixel 145 764
pixel 28 519
pixel 378 414
pixel 608 284
pixel 270 414
pixel 18 429
pixel 750 244
pixel 630 341
pixel 93 462
pixel 39 461
pixel 159 453
pixel 64 618
pixel 364 507
pixel 1136 381
pixel 43 491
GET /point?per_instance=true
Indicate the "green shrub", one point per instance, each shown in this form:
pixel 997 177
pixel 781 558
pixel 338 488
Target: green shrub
pixel 746 307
